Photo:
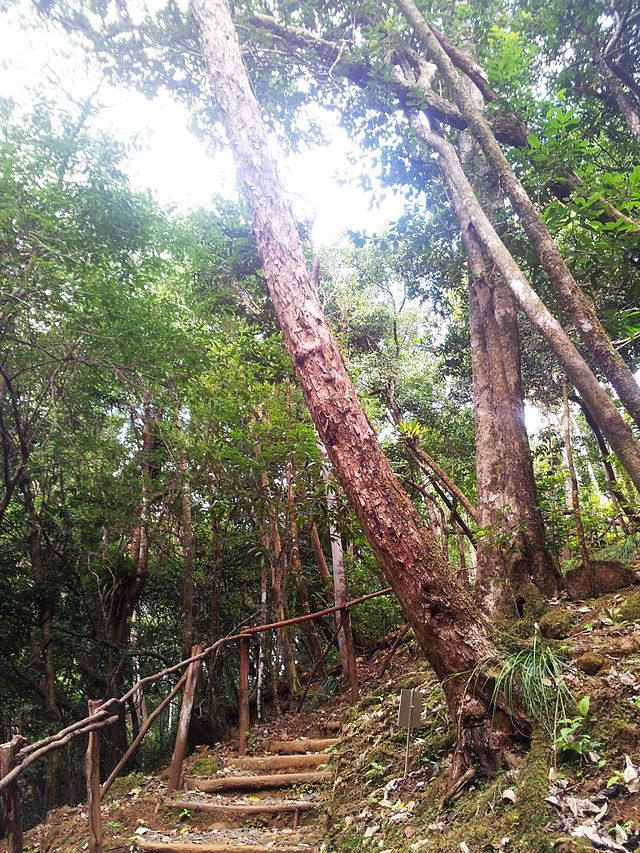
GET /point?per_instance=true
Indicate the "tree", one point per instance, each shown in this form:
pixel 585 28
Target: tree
pixel 448 627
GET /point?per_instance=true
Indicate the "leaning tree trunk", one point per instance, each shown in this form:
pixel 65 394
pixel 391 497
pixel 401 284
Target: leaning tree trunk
pixel 582 312
pixel 448 627
pixel 472 216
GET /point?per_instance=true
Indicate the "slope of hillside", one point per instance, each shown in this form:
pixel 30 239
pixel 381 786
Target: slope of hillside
pixel 577 789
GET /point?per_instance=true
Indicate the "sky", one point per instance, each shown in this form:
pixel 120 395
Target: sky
pixel 166 158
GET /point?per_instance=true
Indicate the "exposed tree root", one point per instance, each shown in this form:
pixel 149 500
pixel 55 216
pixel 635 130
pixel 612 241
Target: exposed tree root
pixel 488 737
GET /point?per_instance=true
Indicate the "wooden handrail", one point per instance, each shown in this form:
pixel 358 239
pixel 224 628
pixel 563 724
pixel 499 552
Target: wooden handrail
pixel 103 714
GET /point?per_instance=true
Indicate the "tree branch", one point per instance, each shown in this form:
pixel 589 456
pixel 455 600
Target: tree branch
pixel 360 72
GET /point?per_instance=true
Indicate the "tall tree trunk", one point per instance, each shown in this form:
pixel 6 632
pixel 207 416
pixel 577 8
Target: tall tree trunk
pixel 122 613
pixel 528 558
pixel 321 561
pixel 573 481
pixel 139 545
pixel 472 216
pixel 314 644
pixel 345 636
pixel 277 559
pixel 492 570
pixel 262 641
pixel 506 487
pixel 44 644
pixel 580 309
pixel 448 627
pixel 186 538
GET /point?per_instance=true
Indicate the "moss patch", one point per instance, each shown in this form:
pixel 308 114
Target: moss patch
pixel 557 624
pixel 629 610
pixel 205 765
pixel 124 784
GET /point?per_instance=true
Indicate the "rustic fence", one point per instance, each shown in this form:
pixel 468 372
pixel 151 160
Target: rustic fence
pixel 17 754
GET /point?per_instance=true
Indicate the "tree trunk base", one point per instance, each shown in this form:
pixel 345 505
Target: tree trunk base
pixel 490 736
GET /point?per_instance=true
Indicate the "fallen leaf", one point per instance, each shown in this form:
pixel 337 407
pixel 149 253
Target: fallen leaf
pixel 630 776
pixel 600 839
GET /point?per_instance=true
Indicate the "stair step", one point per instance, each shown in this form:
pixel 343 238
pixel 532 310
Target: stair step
pixel 228 841
pixel 299 747
pixel 220 847
pixel 244 809
pixel 280 762
pixel 256 783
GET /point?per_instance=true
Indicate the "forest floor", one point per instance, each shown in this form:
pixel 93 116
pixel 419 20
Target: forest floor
pixel 577 789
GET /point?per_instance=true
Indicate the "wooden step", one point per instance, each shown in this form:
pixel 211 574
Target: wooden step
pixel 256 783
pixel 299 747
pixel 227 809
pixel 280 762
pixel 222 847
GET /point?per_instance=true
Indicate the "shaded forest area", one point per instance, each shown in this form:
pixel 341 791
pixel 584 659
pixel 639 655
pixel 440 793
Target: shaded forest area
pixel 207 422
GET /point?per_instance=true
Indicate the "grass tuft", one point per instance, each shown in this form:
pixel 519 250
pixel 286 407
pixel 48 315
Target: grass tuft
pixel 536 677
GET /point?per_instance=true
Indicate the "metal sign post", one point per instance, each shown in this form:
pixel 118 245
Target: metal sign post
pixel 409 715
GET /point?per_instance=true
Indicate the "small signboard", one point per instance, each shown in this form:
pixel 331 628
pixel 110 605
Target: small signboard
pixel 409 717
pixel 410 711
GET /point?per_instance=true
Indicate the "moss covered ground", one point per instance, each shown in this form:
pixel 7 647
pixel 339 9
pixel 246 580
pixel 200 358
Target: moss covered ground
pixel 568 792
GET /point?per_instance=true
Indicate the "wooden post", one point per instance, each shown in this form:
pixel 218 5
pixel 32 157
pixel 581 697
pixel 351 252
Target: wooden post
pixel 243 697
pixel 186 710
pixel 92 774
pixel 140 736
pixel 11 794
pixel 345 624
